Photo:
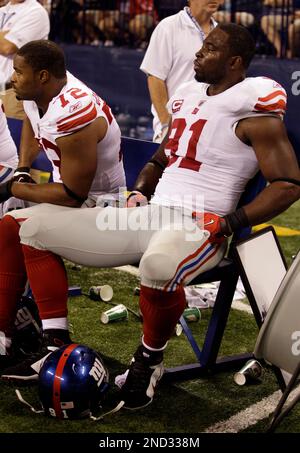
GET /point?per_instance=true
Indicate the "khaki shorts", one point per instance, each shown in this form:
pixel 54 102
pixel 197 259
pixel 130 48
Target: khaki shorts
pixel 12 107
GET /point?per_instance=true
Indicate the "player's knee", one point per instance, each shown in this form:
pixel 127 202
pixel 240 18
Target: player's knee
pixel 9 228
pixel 29 230
pixel 156 266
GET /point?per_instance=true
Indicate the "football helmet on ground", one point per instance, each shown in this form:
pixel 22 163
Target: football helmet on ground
pixel 72 382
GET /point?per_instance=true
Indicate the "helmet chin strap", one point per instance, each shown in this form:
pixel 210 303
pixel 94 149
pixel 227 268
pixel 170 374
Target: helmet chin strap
pixel 115 409
pixel 20 398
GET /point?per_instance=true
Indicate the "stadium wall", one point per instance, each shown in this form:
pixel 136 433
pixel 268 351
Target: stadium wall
pixel 114 74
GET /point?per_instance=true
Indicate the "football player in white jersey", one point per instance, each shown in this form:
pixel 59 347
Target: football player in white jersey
pixel 224 128
pixel 8 159
pixel 81 137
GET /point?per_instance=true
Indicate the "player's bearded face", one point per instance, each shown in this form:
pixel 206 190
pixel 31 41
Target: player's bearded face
pixel 209 70
pixel 211 75
pixel 211 60
pixel 24 80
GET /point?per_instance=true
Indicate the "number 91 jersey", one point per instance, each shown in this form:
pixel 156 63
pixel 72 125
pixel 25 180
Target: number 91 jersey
pixel 209 165
pixel 73 108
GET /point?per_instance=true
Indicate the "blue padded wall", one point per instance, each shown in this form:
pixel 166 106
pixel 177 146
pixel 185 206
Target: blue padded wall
pixel 113 73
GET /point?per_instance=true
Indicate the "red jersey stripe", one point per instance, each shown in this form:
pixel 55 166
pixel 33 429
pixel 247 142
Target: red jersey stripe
pixel 184 261
pixel 81 121
pixel 272 96
pixel 280 105
pixel 106 110
pixel 65 119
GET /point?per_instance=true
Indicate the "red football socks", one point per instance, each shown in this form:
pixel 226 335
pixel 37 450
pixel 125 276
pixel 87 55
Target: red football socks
pixel 12 272
pixel 48 282
pixel 161 311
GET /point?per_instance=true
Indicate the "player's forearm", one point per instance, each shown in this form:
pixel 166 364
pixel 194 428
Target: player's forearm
pixel 27 156
pixel 29 147
pixel 151 173
pixel 148 179
pixel 6 47
pixel 272 201
pixel 53 193
pixel 159 97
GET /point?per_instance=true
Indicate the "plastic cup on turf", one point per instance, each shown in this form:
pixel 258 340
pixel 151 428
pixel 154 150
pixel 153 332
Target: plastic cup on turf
pixel 117 313
pixel 250 372
pixel 192 314
pixel 104 292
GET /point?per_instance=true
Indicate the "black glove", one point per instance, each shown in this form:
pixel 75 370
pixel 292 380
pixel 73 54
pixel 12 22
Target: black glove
pixel 22 174
pixel 5 190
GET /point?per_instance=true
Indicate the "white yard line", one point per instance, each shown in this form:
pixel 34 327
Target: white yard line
pixel 251 415
pixel 130 269
pixel 241 306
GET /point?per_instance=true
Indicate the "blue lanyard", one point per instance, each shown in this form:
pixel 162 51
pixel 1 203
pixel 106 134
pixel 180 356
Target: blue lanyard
pixel 188 11
pixel 5 18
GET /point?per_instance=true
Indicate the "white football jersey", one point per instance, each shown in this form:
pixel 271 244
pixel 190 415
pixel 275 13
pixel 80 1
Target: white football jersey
pixel 73 108
pixel 209 166
pixel 8 150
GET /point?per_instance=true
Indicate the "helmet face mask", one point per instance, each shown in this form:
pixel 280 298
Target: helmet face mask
pixel 72 382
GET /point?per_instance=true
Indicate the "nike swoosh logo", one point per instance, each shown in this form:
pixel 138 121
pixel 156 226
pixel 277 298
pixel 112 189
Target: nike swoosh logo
pixel 209 223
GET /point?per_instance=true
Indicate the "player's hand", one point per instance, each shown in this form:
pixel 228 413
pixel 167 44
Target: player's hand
pixel 22 174
pixel 161 135
pixel 136 198
pixel 212 223
pixel 5 190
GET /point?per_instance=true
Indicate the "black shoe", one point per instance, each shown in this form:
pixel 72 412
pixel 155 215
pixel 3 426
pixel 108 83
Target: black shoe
pixel 28 369
pixel 145 371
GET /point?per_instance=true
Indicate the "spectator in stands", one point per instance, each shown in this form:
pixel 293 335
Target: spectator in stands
pixel 131 18
pixel 294 32
pixel 142 18
pixel 82 140
pixel 171 51
pixel 92 34
pixel 21 21
pixel 65 23
pixel 276 17
pixel 114 24
pixel 224 128
pixel 240 17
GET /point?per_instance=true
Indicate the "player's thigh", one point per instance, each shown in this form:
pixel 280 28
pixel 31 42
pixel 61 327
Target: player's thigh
pixel 37 209
pixel 177 255
pixel 93 237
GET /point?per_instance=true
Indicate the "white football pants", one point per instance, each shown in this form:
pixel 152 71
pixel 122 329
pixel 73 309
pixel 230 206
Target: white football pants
pixel 169 245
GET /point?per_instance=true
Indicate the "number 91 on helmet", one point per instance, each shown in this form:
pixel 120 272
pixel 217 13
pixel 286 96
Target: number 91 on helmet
pixel 72 382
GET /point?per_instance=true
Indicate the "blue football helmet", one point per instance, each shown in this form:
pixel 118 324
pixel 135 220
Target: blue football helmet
pixel 72 382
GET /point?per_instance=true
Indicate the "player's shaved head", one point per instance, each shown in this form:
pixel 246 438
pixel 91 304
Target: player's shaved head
pixel 240 42
pixel 44 55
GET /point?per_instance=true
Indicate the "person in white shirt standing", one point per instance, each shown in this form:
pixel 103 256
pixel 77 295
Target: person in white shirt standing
pixel 168 61
pixel 21 21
